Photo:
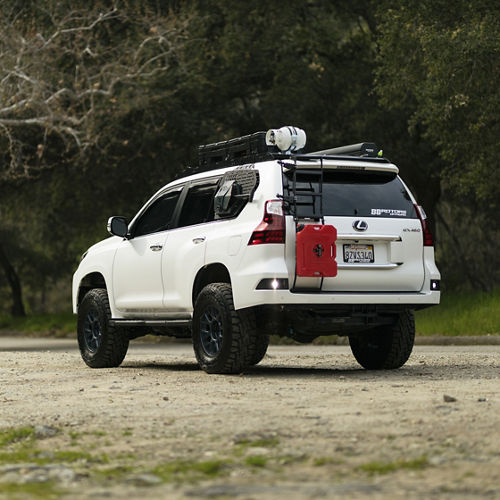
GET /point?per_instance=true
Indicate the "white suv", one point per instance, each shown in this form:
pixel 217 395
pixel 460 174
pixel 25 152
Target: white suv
pixel 264 241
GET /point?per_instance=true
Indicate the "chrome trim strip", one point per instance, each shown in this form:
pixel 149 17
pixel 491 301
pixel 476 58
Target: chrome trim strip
pixel 364 267
pixel 368 237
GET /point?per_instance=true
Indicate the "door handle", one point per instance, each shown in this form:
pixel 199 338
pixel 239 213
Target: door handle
pixel 196 241
pixel 156 248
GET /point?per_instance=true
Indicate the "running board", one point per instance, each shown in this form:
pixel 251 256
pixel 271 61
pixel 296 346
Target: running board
pixel 151 322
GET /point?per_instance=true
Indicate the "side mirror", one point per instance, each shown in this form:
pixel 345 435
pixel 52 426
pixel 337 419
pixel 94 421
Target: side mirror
pixel 118 226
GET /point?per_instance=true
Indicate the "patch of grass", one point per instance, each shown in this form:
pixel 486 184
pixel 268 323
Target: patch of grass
pixel 19 445
pixel 10 436
pixel 256 461
pixel 42 491
pixel 127 432
pixel 321 461
pixel 190 470
pixel 76 456
pixel 36 456
pixel 461 313
pixel 291 459
pixel 376 468
pixel 21 456
pixel 115 473
pixel 261 442
pixel 62 324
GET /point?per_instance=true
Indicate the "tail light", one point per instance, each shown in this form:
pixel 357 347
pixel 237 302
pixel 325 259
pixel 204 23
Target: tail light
pixel 272 227
pixel 428 239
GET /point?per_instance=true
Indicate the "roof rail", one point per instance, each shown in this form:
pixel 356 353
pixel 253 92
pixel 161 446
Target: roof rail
pixel 362 149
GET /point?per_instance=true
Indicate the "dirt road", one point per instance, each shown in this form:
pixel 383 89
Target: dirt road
pixel 306 423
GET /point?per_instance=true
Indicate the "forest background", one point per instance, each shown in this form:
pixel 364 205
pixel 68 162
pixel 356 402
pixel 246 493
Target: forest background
pixel 103 102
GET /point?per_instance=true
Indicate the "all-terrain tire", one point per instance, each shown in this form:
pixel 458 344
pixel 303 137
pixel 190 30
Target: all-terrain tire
pixel 258 348
pixel 386 348
pixel 101 344
pixel 221 335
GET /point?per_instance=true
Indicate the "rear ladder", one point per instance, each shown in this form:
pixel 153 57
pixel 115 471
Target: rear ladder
pixel 315 243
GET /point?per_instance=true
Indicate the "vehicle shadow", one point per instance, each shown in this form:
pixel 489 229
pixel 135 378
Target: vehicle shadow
pixel 287 371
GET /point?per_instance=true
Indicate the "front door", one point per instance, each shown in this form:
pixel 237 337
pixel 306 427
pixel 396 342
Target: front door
pixel 137 268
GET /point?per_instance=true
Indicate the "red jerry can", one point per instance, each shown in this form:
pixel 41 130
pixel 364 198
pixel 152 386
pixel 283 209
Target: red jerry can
pixel 316 251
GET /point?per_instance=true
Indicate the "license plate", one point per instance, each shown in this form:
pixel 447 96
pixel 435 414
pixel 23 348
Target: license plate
pixel 355 253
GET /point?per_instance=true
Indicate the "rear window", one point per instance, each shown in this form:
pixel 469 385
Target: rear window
pixel 351 193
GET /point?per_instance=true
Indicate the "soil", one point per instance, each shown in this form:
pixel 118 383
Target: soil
pixel 307 422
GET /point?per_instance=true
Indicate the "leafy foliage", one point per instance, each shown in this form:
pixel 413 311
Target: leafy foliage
pixel 102 103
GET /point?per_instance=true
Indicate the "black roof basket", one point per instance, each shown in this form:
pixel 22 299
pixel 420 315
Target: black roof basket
pixel 252 148
pixel 239 151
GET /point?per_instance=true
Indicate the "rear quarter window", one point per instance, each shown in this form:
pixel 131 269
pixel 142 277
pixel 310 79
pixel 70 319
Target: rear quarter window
pixel 362 194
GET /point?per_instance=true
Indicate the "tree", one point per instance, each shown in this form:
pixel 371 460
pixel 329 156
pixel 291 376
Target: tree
pixel 62 69
pixel 440 68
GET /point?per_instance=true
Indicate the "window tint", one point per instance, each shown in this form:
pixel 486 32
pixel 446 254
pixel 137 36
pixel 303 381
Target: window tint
pixel 355 194
pixel 198 206
pixel 158 216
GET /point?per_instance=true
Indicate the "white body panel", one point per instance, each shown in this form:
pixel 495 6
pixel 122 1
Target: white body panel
pixel 137 274
pixel 142 283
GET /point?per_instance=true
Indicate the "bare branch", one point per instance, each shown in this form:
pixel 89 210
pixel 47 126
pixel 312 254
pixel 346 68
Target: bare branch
pixel 58 82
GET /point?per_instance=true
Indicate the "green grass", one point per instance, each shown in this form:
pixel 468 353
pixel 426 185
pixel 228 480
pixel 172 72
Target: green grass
pixel 10 436
pixel 56 325
pixel 256 461
pixel 376 468
pixel 461 313
pixel 39 491
pixel 20 445
pixel 191 470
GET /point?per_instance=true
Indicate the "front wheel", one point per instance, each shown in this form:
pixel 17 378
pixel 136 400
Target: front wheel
pixel 101 345
pixel 386 348
pixel 221 335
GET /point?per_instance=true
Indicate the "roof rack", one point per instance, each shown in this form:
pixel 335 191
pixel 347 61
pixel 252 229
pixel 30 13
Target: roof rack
pixel 239 151
pixel 252 148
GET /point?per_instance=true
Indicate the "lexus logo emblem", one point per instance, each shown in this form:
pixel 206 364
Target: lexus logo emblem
pixel 360 225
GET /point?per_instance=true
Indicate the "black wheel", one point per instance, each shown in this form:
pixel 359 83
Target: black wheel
pixel 101 345
pixel 221 335
pixel 386 348
pixel 258 348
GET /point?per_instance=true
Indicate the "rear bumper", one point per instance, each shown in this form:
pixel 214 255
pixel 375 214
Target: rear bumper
pixel 286 297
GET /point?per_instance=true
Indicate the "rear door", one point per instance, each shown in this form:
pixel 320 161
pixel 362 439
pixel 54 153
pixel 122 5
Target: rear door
pixel 379 237
pixel 184 253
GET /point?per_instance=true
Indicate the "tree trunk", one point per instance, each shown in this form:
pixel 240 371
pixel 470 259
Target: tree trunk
pixel 14 283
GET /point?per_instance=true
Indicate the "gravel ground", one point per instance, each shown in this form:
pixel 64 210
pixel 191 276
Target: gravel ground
pixel 307 422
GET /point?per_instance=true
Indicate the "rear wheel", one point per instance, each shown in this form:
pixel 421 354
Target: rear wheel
pixel 101 345
pixel 386 348
pixel 221 335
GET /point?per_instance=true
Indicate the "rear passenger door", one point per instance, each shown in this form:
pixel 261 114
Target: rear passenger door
pixel 184 253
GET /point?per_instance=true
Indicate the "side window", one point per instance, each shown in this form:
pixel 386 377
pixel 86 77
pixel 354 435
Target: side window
pixel 158 216
pixel 198 206
pixel 236 188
